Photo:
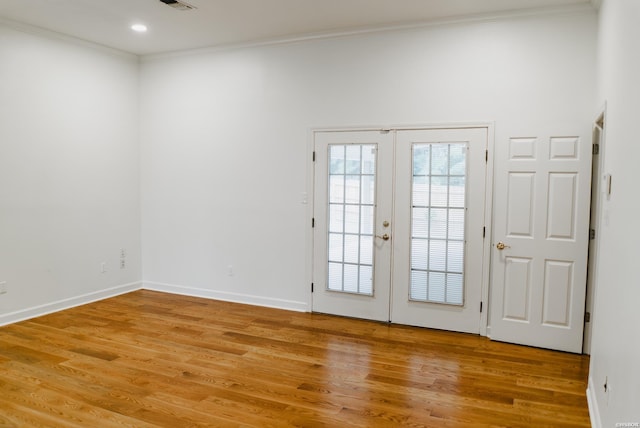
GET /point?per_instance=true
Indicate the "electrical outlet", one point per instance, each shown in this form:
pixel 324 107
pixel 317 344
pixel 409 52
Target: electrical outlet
pixel 123 264
pixel 123 253
pixel 3 287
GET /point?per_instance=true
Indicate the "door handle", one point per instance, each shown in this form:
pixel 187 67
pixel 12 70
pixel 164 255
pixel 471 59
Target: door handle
pixel 502 246
pixel 384 237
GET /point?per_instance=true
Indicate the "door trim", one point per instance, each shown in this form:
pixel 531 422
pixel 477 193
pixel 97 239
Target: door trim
pixel 308 198
pixel 596 222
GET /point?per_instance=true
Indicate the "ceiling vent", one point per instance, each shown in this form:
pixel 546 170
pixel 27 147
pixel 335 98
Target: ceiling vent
pixel 177 4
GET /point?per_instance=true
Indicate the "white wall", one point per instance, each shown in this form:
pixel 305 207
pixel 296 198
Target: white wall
pixel 225 134
pixel 615 351
pixel 69 172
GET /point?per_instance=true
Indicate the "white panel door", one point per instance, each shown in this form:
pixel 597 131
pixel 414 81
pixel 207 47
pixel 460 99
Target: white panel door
pixel 541 232
pixel 352 206
pixel 438 244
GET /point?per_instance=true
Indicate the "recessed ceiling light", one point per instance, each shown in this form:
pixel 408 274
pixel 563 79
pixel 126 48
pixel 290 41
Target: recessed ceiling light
pixel 139 28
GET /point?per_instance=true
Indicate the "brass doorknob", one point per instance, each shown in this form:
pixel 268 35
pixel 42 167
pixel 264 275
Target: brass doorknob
pixel 502 246
pixel 384 237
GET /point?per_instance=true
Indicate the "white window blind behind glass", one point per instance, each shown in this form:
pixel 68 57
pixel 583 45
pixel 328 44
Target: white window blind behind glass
pixel 352 189
pixel 438 222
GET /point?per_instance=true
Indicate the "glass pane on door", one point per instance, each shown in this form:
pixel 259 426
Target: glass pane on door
pixel 438 222
pixel 352 190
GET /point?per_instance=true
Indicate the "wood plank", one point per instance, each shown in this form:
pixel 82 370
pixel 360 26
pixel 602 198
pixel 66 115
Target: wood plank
pixel 152 359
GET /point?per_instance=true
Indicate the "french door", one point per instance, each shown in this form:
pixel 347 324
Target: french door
pixel 399 219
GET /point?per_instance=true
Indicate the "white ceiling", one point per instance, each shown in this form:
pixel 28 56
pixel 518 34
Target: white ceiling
pixel 224 22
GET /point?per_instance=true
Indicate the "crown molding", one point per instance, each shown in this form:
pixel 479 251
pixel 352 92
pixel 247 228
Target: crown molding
pixel 577 8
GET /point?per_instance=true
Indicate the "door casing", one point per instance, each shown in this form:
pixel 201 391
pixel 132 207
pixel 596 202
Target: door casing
pixel 308 199
pixel 597 196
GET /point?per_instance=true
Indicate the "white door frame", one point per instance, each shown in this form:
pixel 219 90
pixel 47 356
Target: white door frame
pixel 308 199
pixel 597 187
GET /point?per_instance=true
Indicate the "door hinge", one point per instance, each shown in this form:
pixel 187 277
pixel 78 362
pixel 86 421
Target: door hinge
pixel 596 149
pixel 312 287
pixel 486 156
pixel 480 307
pixel 587 317
pixel 592 234
pixel 313 222
pixel 313 156
pixel 484 231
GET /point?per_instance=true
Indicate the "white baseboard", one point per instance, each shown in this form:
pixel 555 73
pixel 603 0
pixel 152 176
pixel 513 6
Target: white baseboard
pixel 594 412
pixel 248 299
pixel 60 305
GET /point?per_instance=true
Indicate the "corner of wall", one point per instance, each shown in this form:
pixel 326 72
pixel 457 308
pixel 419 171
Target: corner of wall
pixel 60 305
pixel 592 400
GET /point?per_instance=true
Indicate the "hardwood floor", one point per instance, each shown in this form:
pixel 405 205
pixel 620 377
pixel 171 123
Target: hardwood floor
pixel 151 359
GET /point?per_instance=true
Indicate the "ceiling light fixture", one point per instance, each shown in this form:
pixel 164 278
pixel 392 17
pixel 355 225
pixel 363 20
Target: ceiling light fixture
pixel 139 28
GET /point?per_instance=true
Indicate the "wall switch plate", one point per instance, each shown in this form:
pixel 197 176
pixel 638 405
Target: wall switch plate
pixel 3 287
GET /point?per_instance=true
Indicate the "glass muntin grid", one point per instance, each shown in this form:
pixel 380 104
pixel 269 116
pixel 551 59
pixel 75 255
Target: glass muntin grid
pixel 438 222
pixel 351 218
